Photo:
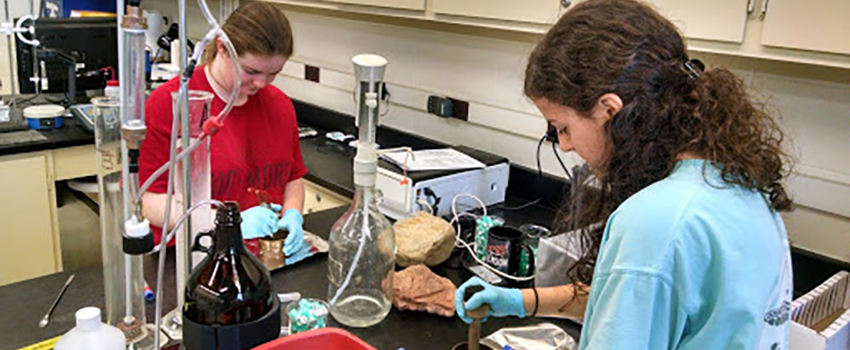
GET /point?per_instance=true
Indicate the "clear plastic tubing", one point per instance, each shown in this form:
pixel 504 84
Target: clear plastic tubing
pixel 234 94
pixel 173 158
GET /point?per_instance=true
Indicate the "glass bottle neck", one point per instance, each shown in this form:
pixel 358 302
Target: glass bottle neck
pixel 227 237
pixel 365 196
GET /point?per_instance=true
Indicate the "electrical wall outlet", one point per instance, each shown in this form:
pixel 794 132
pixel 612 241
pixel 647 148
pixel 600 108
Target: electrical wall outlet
pixel 311 73
pixel 460 109
pixel 440 106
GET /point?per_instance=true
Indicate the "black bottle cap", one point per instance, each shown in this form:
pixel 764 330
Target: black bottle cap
pixel 228 214
pixel 137 245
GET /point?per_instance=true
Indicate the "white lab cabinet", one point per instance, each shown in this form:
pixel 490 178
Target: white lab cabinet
pixel 30 242
pixel 29 222
pixel 720 20
pixel 816 25
pixel 398 4
pixel 532 11
pixel 318 198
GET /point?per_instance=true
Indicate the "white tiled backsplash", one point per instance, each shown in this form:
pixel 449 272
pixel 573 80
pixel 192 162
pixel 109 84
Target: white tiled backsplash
pixel 488 73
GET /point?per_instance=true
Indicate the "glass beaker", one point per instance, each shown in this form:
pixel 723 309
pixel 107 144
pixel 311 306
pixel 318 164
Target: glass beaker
pixel 199 166
pixel 122 273
pixel 200 187
pixel 361 262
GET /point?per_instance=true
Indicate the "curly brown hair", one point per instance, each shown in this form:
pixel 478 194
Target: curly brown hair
pixel 625 47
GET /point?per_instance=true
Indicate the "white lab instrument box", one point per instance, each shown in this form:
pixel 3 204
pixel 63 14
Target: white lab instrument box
pixel 402 197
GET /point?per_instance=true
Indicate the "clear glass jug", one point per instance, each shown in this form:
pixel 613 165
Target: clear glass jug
pixel 361 262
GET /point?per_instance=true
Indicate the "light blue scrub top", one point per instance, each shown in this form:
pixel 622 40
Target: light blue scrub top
pixel 690 263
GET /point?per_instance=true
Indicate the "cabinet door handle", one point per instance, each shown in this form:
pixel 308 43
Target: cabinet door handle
pixel 566 3
pixel 751 6
pixel 764 9
pixel 318 197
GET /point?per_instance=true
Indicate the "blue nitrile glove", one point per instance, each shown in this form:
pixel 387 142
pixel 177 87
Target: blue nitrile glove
pixel 503 301
pixel 292 221
pixel 302 251
pixel 259 221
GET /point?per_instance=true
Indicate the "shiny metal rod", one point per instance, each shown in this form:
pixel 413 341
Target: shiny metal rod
pixel 9 48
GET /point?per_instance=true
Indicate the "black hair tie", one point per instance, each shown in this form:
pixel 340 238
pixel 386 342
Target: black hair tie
pixel 695 68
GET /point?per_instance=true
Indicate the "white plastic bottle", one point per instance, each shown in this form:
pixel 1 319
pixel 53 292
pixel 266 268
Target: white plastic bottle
pixel 4 112
pixel 91 334
pixel 112 88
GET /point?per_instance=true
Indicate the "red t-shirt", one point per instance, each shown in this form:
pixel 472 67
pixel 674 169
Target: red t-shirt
pixel 257 147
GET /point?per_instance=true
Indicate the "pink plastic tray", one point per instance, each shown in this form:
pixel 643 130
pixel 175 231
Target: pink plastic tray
pixel 325 339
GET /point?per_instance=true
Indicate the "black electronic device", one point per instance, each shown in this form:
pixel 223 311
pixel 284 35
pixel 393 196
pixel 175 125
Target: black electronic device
pixel 551 133
pixel 441 106
pixel 91 41
pixel 164 41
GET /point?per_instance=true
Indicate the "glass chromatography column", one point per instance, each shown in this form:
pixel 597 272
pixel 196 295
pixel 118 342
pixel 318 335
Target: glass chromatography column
pixel 122 273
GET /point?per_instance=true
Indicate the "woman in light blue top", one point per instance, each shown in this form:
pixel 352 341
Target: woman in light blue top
pixel 691 253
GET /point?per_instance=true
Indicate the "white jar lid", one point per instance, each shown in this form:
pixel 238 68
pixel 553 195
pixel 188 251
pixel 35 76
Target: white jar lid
pixel 44 111
pixel 88 318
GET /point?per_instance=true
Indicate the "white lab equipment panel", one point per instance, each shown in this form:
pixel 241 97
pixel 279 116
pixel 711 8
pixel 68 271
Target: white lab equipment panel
pixel 402 200
pixel 721 20
pixel 819 25
pixel 533 11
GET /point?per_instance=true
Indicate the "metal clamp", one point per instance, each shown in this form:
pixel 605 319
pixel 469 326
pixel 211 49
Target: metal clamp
pixel 19 30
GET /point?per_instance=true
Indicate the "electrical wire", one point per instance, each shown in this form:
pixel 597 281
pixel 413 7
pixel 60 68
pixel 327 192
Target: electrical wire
pixel 28 99
pixel 523 206
pixel 539 173
pixel 426 204
pixel 459 242
pixel 539 146
pixel 387 101
pixel 557 155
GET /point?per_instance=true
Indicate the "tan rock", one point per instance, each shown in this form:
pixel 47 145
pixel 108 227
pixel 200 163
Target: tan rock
pixel 423 238
pixel 418 288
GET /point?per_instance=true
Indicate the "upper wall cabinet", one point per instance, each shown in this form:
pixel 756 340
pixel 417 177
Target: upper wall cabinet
pixel 818 25
pixel 531 11
pixel 719 20
pixel 399 4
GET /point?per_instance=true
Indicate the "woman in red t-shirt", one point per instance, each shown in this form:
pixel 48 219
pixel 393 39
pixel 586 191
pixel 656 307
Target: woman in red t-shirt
pixel 258 145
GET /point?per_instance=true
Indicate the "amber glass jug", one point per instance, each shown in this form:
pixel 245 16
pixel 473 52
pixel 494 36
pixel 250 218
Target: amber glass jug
pixel 230 285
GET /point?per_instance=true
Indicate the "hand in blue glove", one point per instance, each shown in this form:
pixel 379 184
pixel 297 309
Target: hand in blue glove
pixel 302 251
pixel 503 301
pixel 259 221
pixel 292 221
